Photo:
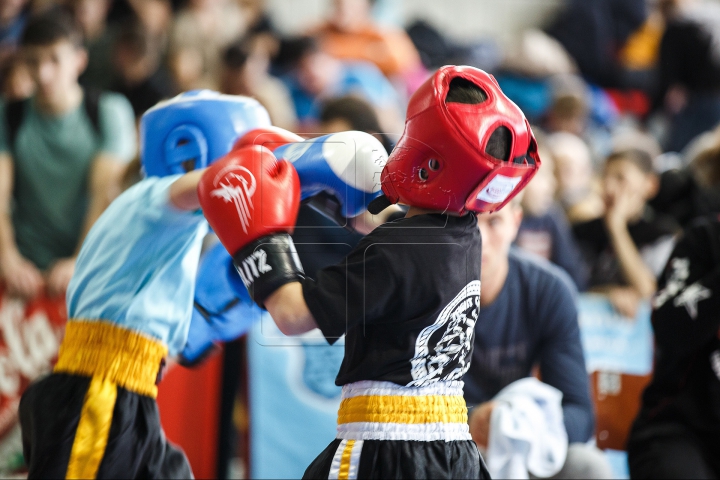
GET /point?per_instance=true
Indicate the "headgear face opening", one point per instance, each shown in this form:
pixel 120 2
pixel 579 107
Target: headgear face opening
pixel 447 157
pixel 193 129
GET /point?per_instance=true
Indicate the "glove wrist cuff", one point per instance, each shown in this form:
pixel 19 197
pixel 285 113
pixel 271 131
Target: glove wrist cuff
pixel 267 264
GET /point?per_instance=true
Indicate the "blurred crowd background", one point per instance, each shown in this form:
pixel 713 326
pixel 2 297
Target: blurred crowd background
pixel 623 95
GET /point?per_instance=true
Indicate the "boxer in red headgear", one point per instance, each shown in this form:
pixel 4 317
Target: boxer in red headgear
pixel 407 297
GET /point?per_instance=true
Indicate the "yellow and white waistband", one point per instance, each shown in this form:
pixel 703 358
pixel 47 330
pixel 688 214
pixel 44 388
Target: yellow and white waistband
pixel 372 410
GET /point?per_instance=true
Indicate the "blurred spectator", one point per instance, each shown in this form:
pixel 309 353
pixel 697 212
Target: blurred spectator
pixel 627 248
pixel 316 76
pixel 13 16
pixel 91 15
pixel 200 33
pixel 545 230
pixel 677 431
pixel 577 189
pixel 136 57
pixel 690 69
pixel 350 33
pixel 593 32
pixel 17 84
pixel 260 26
pixel 156 17
pixel 61 163
pixel 693 191
pixel 527 318
pixel 568 113
pixel 351 113
pixel 245 71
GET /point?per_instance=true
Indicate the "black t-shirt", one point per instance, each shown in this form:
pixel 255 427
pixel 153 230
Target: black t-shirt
pixel 653 235
pixel 407 298
pixel 686 319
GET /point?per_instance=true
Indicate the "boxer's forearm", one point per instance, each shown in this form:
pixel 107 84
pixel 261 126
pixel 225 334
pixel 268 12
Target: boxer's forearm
pixel 289 311
pixel 183 192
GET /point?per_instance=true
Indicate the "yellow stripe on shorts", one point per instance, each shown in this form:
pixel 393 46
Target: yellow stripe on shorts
pixel 92 433
pixel 346 460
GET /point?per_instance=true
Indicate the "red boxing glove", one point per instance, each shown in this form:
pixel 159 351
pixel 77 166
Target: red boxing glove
pixel 251 200
pixel 269 137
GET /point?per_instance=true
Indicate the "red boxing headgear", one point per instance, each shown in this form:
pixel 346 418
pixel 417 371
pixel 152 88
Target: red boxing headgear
pixel 441 162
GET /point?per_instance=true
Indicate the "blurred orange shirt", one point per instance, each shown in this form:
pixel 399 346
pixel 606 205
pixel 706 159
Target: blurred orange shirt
pixel 391 50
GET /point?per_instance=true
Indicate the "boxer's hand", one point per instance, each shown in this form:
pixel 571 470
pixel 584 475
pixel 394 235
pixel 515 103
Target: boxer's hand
pixel 340 171
pixel 22 278
pixel 479 422
pixel 251 200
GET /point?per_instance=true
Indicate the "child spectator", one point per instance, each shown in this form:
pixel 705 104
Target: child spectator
pixel 627 248
pixel 61 164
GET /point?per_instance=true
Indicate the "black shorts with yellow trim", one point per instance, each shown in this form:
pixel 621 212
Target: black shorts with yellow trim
pixel 398 459
pixel 392 431
pixel 96 416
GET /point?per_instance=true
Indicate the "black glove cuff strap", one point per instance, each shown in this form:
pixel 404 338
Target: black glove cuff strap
pixel 267 264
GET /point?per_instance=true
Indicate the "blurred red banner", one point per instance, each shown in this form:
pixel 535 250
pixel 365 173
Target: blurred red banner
pixel 30 336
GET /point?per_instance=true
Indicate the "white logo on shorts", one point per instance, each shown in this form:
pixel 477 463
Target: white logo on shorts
pixel 455 326
pixel 236 184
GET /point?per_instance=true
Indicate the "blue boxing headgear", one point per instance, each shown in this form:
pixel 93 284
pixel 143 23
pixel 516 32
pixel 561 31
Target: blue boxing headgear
pixel 199 127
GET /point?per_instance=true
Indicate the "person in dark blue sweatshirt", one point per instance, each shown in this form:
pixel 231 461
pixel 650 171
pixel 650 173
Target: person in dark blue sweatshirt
pixel 528 317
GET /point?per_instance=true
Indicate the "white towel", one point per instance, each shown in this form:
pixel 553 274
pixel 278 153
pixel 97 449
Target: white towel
pixel 527 433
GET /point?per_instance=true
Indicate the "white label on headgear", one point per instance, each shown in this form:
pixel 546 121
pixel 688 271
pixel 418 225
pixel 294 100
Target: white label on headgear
pixel 498 189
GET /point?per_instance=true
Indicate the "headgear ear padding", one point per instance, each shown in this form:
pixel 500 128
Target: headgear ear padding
pixel 461 155
pixel 194 129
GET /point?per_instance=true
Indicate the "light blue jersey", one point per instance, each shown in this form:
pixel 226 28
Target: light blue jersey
pixel 138 264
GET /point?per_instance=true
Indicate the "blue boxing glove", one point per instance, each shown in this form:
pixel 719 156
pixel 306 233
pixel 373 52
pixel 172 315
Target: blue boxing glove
pixel 339 173
pixel 223 308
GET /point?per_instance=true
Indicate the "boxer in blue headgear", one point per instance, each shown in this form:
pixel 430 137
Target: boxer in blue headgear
pixel 130 304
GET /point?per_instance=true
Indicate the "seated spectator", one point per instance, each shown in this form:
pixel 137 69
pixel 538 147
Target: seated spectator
pixel 528 317
pixel 260 25
pixel 63 156
pixel 245 71
pixel 577 187
pixel 350 33
pixel 13 16
pixel 91 15
pixel 592 33
pixel 677 431
pixel 689 69
pixel 627 248
pixel 351 113
pixel 315 76
pixel 545 230
pixel 17 84
pixel 200 33
pixel 694 190
pixel 140 78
